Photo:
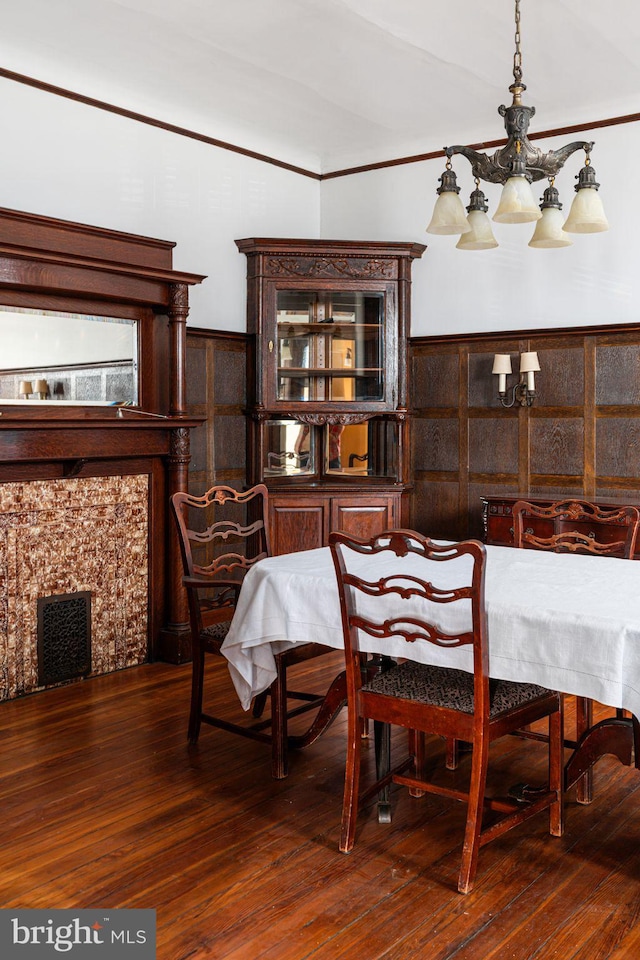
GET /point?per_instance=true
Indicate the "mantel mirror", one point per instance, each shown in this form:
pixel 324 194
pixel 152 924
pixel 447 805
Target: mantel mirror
pixel 67 358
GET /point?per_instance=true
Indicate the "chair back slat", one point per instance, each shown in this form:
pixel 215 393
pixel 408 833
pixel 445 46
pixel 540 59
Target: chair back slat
pixel 376 607
pixel 576 526
pixel 222 534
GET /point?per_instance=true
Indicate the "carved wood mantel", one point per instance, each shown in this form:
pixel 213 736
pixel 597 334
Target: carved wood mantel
pixel 59 266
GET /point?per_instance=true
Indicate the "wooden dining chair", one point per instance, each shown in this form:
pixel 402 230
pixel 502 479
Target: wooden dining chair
pixel 222 535
pixel 407 605
pixel 577 526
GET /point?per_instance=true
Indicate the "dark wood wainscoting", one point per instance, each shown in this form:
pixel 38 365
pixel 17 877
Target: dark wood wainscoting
pixel 216 389
pixel 581 436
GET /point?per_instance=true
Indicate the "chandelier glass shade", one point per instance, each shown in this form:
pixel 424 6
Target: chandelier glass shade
pixel 516 166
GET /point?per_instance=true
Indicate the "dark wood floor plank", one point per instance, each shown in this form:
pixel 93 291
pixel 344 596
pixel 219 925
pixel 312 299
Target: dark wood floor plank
pixel 105 804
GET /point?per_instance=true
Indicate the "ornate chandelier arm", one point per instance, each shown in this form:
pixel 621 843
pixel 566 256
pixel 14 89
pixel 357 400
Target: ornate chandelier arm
pixel 538 165
pixel 482 166
pixel 548 164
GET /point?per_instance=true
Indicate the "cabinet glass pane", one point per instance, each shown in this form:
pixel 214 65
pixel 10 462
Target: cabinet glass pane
pixel 363 449
pixel 330 346
pixel 290 449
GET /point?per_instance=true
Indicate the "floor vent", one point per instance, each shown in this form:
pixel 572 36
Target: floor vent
pixel 64 637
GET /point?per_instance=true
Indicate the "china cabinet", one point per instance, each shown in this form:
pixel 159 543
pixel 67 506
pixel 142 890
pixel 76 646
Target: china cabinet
pixel 328 324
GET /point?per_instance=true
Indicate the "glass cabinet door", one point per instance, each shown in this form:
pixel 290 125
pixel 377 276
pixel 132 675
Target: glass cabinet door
pixel 330 346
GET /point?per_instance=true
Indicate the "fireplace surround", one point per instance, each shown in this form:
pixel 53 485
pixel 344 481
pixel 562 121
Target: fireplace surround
pixel 84 489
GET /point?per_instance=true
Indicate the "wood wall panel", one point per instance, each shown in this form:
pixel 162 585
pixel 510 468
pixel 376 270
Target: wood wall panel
pixel 563 382
pixel 437 508
pixel 436 444
pixel 618 374
pixel 229 371
pixel 542 489
pixel 557 446
pixel 493 445
pixel 618 447
pixel 216 389
pixel 436 382
pixel 581 437
pixel 481 388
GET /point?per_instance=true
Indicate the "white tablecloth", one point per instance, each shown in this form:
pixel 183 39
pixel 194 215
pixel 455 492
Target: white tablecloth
pixel 570 623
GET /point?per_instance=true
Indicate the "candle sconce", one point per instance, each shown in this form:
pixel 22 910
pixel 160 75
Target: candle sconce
pixel 523 392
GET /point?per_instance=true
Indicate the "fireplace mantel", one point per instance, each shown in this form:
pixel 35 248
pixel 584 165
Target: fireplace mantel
pixel 59 266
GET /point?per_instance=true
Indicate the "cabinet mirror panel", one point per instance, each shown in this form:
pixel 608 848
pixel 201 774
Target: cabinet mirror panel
pixel 330 345
pixel 290 449
pixel 364 449
pixel 67 358
pixel 294 449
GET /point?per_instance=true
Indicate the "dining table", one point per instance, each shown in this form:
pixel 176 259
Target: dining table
pixel 568 622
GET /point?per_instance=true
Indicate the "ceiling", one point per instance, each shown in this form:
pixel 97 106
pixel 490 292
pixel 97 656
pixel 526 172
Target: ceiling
pixel 329 84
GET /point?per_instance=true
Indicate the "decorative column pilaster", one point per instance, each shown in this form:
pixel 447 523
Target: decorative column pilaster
pixel 178 313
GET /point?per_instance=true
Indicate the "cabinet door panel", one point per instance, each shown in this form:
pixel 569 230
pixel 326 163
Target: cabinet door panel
pixel 296 524
pixel 363 517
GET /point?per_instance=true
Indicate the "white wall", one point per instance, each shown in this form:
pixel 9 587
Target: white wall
pixel 596 281
pixel 67 160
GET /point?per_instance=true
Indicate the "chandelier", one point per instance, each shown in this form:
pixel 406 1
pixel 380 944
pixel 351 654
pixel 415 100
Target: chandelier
pixel 516 166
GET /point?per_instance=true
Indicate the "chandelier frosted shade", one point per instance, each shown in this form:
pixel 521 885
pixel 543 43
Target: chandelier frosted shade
pixel 587 213
pixel 549 230
pixel 517 203
pixel 449 216
pixel 480 236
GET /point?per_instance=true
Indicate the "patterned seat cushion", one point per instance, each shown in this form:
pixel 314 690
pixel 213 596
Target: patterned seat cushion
pixel 445 687
pixel 216 632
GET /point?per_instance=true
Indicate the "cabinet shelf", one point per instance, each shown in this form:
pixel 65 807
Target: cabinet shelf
pixel 328 371
pixel 340 331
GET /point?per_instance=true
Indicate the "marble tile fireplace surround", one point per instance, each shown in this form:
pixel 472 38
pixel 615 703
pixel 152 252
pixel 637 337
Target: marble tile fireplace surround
pixel 66 536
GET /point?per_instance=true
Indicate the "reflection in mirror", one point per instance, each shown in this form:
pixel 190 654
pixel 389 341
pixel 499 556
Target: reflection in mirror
pixel 289 449
pixel 67 358
pixel 362 449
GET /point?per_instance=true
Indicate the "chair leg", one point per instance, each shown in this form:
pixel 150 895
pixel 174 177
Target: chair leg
pixel 351 783
pixel 584 719
pixel 471 847
pixel 197 683
pixel 556 771
pixel 453 754
pixel 382 737
pixel 279 734
pixel 636 740
pixel 417 748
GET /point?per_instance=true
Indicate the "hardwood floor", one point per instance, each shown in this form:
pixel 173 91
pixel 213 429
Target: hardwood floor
pixel 104 804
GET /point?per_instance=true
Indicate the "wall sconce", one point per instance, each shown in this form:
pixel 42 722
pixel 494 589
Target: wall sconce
pixel 25 389
pixel 523 392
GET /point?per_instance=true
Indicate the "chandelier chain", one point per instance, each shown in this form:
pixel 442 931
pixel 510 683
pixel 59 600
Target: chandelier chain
pixel 517 57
